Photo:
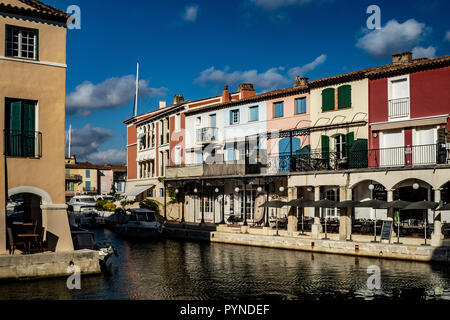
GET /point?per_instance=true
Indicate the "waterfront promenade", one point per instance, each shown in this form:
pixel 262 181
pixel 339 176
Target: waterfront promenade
pixel 410 249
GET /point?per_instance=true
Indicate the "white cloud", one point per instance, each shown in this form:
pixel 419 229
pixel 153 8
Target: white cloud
pixel 276 4
pixel 190 13
pixel 111 93
pixel 111 156
pixel 393 38
pixel 85 144
pixel 270 79
pixel 447 36
pixel 421 52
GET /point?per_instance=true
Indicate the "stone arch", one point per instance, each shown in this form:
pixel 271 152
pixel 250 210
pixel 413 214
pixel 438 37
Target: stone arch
pixel 46 199
pixel 411 181
pixel 365 180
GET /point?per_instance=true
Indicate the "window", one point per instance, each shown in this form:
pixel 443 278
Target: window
pixel 21 42
pixel 300 105
pixel 278 109
pixel 344 97
pixel 254 113
pixel 198 121
pixel 67 171
pixel 88 185
pixel 20 124
pixel 88 173
pixel 212 121
pixel 328 99
pixel 177 122
pixel 339 146
pixel 234 116
pixel 161 192
pixel 230 153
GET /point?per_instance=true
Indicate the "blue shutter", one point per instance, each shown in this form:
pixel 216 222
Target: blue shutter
pixel 231 116
pixel 301 105
pixel 254 115
pixel 278 110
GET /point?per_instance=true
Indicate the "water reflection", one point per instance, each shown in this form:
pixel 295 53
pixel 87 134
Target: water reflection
pixel 176 270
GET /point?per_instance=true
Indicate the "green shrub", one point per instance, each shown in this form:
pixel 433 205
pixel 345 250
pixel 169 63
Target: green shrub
pixel 100 204
pixel 150 204
pixel 109 206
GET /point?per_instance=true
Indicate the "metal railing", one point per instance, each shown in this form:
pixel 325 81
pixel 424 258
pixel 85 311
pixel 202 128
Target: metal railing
pixel 399 108
pixel 91 189
pixel 74 177
pixel 23 144
pixel 206 134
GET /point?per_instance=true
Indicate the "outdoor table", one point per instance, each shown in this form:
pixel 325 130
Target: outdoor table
pixel 28 238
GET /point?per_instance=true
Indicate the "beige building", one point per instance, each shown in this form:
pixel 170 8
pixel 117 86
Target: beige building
pixel 32 100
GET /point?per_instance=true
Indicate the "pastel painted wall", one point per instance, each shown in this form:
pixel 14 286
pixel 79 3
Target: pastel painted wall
pixel 358 111
pixel 290 120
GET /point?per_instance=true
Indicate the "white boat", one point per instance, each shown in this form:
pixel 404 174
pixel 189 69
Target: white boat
pixel 140 224
pixel 82 204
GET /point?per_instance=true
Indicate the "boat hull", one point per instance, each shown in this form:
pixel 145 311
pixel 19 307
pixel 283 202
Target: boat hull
pixel 136 232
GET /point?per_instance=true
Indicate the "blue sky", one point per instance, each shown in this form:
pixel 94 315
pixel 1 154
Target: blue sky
pixel 196 47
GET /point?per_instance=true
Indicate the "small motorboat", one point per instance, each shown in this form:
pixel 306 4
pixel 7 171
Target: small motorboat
pixel 83 239
pixel 139 224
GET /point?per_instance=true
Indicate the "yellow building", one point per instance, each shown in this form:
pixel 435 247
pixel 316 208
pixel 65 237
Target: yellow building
pixel 32 104
pixel 81 178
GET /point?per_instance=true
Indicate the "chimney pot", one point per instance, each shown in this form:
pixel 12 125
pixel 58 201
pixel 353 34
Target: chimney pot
pixel 300 82
pixel 162 104
pixel 178 99
pixel 247 90
pixel 226 95
pixel 402 58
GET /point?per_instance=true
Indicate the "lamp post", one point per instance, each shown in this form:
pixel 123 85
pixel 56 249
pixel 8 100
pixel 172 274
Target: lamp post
pixel 216 190
pixel 281 190
pixel 266 210
pixel 165 202
pixel 202 222
pixel 371 188
pixel 223 205
pixel 245 204
pixel 195 191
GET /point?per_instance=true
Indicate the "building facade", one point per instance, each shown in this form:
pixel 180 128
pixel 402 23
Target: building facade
pixel 32 100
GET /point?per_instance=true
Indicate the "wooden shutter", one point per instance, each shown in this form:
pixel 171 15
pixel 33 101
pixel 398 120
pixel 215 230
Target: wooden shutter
pixel 349 138
pixel 29 127
pixel 15 128
pixel 328 99
pixel 325 147
pixel 344 96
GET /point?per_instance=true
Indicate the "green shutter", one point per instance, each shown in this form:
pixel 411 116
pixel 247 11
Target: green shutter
pixel 344 96
pixel 28 128
pixel 328 99
pixel 15 129
pixel 349 138
pixel 325 147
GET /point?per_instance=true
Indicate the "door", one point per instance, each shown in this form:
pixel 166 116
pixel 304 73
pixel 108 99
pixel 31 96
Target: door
pixel 399 104
pixel 284 149
pixel 177 155
pixel 392 150
pixel 424 145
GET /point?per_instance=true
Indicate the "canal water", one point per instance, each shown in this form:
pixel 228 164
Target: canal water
pixel 175 270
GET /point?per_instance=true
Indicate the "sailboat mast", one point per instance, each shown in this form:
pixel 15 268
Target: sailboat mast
pixel 137 90
pixel 70 137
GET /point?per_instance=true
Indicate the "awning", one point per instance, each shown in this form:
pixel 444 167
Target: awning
pixel 135 191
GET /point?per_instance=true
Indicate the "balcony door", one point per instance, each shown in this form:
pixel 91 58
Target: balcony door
pixel 424 146
pixel 392 150
pixel 20 128
pixel 399 99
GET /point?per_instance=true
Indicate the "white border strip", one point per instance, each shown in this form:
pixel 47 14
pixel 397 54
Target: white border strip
pixel 45 63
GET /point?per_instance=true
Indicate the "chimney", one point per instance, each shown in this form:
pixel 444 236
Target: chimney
pixel 402 58
pixel 246 90
pixel 178 99
pixel 225 95
pixel 162 104
pixel 300 82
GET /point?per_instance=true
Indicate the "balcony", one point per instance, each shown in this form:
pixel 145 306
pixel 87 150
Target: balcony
pixel 399 108
pixel 74 177
pixel 91 190
pixel 206 135
pixel 23 144
pixel 316 160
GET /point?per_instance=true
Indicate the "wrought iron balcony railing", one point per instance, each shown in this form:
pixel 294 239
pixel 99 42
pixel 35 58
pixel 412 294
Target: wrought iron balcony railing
pixel 23 144
pixel 206 134
pixel 399 108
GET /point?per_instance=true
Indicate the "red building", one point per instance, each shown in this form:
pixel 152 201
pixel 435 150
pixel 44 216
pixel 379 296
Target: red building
pixel 409 107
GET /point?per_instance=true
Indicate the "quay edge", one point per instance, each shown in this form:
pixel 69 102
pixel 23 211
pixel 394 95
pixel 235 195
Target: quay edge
pixel 361 249
pixel 48 265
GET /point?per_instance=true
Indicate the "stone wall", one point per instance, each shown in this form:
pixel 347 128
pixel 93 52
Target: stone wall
pixel 47 265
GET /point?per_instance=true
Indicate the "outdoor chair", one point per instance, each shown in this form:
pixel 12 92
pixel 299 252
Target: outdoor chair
pixel 39 243
pixel 12 243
